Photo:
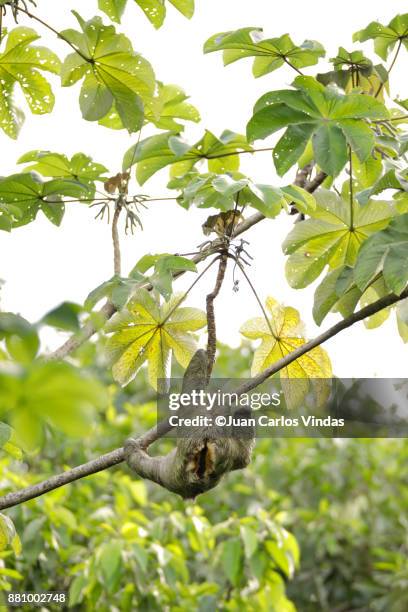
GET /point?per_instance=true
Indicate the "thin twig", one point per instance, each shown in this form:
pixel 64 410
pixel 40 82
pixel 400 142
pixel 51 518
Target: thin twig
pixel 258 299
pixel 351 194
pixel 379 90
pixel 117 456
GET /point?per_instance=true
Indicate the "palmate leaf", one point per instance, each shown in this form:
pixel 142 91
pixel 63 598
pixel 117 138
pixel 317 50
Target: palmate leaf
pixel 329 237
pixel 148 331
pixel 270 54
pixel 156 152
pixel 21 62
pixel 26 194
pixel 155 10
pixel 281 336
pixel 385 37
pixel 330 119
pixel 223 190
pixel 115 77
pixel 80 167
pixel 386 252
pixel 352 69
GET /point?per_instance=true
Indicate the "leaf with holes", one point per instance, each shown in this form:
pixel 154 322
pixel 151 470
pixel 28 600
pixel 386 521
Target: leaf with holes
pixel 270 54
pixel 155 10
pixel 332 121
pixel 21 62
pixel 80 167
pixel 330 237
pixel 114 76
pixel 156 152
pixel 280 335
pixel 148 331
pixel 385 37
pixel 28 194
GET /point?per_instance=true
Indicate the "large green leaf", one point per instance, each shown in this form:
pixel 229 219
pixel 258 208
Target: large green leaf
pixel 311 111
pixel 80 167
pixel 56 394
pixel 155 10
pixel 269 54
pixel 157 152
pixel 280 335
pixel 223 190
pixel 330 237
pixel 115 77
pixel 386 252
pixel 21 63
pixel 148 331
pixel 26 194
pixel 385 37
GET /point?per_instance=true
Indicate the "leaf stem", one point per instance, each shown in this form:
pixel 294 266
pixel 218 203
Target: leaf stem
pixel 292 66
pixel 54 31
pixel 351 190
pixel 379 90
pixel 221 155
pixel 258 299
pixel 399 118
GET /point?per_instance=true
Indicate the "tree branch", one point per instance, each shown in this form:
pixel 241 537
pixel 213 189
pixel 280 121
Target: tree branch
pixel 211 328
pixel 108 310
pixel 117 456
pixel 117 266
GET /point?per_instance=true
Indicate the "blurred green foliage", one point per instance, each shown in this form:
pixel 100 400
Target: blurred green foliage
pixel 116 542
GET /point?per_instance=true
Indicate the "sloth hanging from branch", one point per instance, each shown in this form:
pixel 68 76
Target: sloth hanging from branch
pixel 201 457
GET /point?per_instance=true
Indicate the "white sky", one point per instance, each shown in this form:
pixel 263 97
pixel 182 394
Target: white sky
pixel 44 265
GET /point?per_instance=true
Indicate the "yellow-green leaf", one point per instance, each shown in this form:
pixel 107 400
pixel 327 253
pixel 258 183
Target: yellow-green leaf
pixel 280 336
pixel 149 331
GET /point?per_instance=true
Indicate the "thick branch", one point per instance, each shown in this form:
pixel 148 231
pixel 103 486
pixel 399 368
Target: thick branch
pixel 117 456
